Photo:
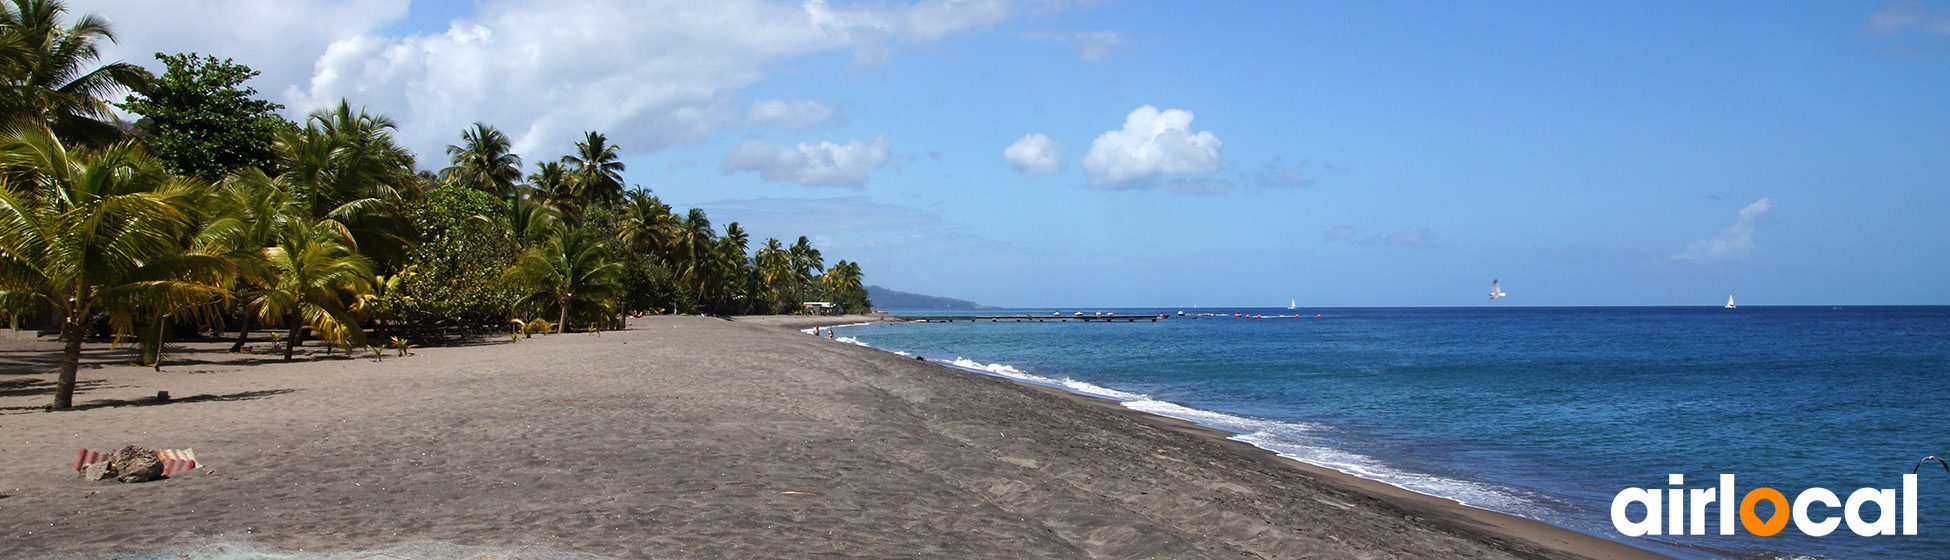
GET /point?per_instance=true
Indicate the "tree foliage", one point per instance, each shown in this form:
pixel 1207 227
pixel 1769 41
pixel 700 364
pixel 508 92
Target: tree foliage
pixel 201 120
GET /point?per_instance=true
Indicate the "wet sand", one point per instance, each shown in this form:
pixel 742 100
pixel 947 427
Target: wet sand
pixel 682 437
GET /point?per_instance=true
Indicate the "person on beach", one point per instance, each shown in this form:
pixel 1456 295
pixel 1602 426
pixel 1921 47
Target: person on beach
pixel 829 335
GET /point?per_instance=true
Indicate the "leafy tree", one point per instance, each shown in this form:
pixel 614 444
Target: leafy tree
pixel 483 162
pixel 345 166
pixel 316 273
pixel 595 170
pixel 96 232
pixel 570 274
pixel 202 122
pixel 45 74
pixel 843 284
pixel 453 277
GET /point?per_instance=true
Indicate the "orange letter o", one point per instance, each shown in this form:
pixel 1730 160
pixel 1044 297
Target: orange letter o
pixel 1752 522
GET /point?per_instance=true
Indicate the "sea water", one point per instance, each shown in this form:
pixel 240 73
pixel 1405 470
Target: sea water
pixel 1546 413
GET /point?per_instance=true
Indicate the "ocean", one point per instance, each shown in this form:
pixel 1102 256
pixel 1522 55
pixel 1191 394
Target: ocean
pixel 1546 413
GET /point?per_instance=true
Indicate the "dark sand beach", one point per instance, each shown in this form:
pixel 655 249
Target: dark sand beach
pixel 682 437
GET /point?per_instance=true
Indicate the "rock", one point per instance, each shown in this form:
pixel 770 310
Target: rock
pixel 135 464
pixel 96 471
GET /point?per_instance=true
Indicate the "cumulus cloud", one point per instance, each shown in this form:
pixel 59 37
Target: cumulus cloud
pixel 1198 186
pixel 1091 46
pixel 280 39
pixel 792 114
pixel 1414 237
pixel 825 164
pixel 1035 154
pixel 649 73
pixel 1735 243
pixel 1150 144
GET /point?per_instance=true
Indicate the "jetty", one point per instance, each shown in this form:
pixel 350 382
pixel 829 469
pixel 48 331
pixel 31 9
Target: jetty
pixel 1034 318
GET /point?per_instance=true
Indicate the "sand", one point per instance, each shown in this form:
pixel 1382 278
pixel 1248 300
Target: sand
pixel 681 437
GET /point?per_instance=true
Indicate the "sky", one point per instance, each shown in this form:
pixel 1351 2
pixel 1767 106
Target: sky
pixel 1053 153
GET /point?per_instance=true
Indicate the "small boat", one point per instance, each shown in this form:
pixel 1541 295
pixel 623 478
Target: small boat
pixel 1730 302
pixel 1495 291
pixel 1292 304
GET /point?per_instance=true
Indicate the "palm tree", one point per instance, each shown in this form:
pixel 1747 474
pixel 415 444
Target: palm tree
pixel 645 225
pixel 692 249
pixel 570 271
pixel 96 232
pixel 843 282
pixel 345 166
pixel 805 259
pixel 316 273
pixel 595 170
pixel 47 79
pixel 734 271
pixel 249 214
pixel 775 272
pixel 482 162
pixel 552 185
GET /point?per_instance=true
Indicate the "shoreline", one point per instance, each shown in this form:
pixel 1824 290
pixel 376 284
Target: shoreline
pixel 1427 506
pixel 686 437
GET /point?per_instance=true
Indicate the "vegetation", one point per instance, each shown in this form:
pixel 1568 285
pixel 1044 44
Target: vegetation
pixel 214 211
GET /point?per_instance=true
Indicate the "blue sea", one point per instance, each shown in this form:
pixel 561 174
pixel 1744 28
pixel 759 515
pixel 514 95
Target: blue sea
pixel 1545 413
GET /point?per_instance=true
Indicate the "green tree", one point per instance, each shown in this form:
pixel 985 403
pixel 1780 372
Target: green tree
pixel 595 170
pixel 96 232
pixel 48 80
pixel 315 275
pixel 570 274
pixel 483 162
pixel 202 122
pixel 453 277
pixel 345 166
pixel 843 283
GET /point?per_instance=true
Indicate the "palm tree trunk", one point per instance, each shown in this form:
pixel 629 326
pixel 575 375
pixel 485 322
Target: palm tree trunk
pixel 563 304
pixel 297 333
pixel 71 333
pixel 243 333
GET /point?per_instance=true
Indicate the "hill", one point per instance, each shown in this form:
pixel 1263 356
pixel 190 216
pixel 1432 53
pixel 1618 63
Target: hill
pixel 884 298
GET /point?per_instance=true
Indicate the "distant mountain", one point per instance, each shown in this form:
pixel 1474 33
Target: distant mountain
pixel 884 298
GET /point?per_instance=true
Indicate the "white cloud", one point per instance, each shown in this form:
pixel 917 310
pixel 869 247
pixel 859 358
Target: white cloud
pixel 649 73
pixel 789 114
pixel 1035 154
pixel 280 39
pixel 1736 242
pixel 1152 143
pixel 825 164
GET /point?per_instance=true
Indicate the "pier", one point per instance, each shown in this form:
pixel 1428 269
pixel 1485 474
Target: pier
pixel 1035 318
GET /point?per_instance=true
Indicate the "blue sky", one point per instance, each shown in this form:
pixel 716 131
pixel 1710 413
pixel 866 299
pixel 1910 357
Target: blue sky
pixel 1373 154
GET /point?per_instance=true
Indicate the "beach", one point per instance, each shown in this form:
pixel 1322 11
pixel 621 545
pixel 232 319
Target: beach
pixel 681 437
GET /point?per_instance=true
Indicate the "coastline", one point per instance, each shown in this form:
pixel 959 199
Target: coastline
pixel 690 436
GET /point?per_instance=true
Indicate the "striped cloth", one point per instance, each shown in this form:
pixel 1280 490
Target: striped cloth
pixel 173 460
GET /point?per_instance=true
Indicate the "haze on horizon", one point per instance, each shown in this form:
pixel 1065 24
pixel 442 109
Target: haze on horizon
pixel 1082 153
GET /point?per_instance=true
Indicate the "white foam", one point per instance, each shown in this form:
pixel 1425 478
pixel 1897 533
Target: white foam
pixel 1300 441
pixel 1012 372
pixel 851 340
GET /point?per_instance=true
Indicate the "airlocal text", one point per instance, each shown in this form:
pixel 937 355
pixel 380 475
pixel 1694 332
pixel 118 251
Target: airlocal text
pixel 1683 510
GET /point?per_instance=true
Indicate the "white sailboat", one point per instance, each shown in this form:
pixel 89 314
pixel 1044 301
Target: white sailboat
pixel 1730 302
pixel 1495 291
pixel 1292 304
